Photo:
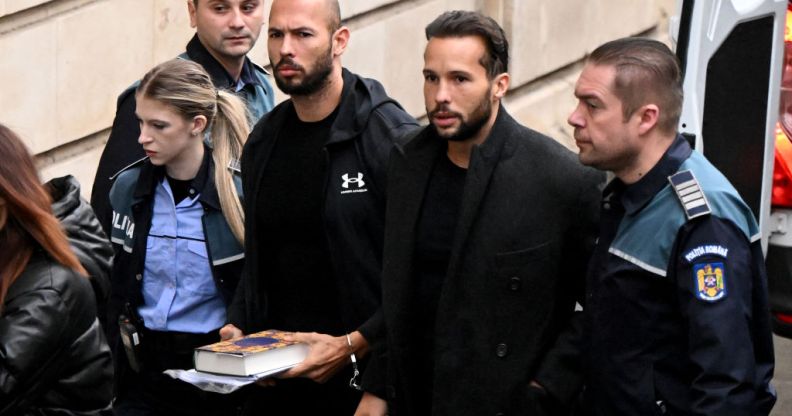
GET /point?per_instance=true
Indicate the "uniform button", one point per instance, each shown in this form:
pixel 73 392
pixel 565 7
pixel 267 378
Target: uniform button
pixel 222 281
pixel 138 277
pixel 606 206
pixel 501 350
pixel 515 284
pixel 192 191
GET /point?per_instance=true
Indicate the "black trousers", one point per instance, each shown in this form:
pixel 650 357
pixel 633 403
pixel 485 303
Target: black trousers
pixel 152 393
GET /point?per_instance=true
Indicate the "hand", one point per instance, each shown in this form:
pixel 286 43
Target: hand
pixel 230 332
pixel 327 356
pixel 371 405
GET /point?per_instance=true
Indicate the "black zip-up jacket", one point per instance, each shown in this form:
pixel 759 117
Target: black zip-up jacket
pixel 54 359
pixel 357 150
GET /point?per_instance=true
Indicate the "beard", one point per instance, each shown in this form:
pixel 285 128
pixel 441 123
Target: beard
pixel 467 128
pixel 312 82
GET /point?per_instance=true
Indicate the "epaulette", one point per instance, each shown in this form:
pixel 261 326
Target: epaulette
pixel 129 166
pixel 687 189
pixel 234 166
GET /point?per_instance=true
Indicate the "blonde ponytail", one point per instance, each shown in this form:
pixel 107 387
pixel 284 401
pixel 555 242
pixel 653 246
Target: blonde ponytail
pixel 229 133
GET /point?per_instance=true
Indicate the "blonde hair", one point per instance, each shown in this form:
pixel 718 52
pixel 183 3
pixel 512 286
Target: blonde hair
pixel 186 87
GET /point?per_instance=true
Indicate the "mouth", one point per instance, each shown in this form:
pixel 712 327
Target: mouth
pixel 237 39
pixel 287 68
pixel 444 119
pixel 150 153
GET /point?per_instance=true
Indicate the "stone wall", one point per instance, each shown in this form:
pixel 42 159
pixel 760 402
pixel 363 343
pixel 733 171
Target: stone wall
pixel 63 62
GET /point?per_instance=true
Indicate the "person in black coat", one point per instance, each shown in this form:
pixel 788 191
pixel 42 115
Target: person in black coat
pixel 488 230
pixel 85 235
pixel 54 359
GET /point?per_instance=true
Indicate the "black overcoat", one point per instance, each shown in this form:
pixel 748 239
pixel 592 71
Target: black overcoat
pixel 506 314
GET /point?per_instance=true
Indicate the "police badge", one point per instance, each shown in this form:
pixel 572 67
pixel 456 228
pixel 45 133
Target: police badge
pixel 710 281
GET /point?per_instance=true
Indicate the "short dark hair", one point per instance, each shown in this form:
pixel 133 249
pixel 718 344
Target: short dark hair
pixel 459 23
pixel 646 70
pixel 334 19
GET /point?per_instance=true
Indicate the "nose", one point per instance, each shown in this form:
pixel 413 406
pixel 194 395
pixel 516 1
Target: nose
pixel 144 136
pixel 236 21
pixel 442 95
pixel 575 119
pixel 286 48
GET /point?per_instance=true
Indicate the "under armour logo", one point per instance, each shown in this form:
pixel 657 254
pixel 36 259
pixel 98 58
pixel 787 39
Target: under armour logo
pixel 358 180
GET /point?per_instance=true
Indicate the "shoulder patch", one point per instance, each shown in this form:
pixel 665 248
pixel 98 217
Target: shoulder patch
pixel 710 249
pixel 689 193
pixel 710 281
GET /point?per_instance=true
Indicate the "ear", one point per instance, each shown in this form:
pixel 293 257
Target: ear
pixel 647 115
pixel 192 12
pixel 500 85
pixel 198 125
pixel 340 41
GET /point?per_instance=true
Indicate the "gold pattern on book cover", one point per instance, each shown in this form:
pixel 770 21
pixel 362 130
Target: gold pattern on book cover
pixel 250 344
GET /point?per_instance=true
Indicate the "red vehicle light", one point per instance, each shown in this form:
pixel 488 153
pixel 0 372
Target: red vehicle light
pixel 782 317
pixel 782 172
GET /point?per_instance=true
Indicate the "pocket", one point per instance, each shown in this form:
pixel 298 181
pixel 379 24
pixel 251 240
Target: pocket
pixel 196 273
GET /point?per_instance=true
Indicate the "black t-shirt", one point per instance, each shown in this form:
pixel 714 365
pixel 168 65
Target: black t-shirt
pixel 296 263
pixel 180 189
pixel 435 235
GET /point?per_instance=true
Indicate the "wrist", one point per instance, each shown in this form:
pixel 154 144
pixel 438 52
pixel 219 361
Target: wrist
pixel 357 344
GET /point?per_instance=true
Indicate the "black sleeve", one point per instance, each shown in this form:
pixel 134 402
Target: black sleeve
pixel 561 370
pixel 122 149
pixel 714 282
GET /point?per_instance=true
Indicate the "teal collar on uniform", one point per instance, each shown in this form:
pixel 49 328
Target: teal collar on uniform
pixel 637 195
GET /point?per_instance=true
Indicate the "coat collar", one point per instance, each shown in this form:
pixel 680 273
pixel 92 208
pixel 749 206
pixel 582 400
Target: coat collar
pixel 635 196
pixel 151 176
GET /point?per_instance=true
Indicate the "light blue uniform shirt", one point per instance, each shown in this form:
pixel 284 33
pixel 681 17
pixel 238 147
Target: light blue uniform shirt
pixel 179 291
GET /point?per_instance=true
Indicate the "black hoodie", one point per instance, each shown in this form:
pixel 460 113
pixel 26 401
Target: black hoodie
pixel 357 150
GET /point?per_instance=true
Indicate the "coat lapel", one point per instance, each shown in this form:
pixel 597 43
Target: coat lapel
pixel 483 161
pixel 408 178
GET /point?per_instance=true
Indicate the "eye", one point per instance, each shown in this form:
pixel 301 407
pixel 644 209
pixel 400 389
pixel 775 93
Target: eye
pixel 219 8
pixel 275 34
pixel 430 78
pixel 249 7
pixel 460 79
pixel 304 34
pixel 159 126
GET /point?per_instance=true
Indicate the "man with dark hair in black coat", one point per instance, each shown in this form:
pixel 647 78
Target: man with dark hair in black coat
pixel 488 230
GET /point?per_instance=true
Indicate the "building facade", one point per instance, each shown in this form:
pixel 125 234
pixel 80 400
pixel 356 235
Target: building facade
pixel 64 62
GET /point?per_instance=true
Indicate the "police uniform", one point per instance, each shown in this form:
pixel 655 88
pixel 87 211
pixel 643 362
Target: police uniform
pixel 175 271
pixel 677 317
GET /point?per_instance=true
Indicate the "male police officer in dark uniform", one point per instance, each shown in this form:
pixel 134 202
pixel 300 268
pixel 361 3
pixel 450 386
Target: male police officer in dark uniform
pixel 677 319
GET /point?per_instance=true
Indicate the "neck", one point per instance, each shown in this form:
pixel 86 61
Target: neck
pixel 459 151
pixel 319 105
pixel 186 165
pixel 232 65
pixel 656 146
